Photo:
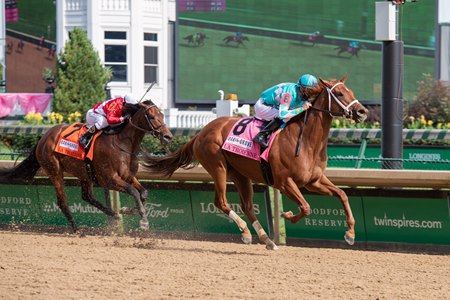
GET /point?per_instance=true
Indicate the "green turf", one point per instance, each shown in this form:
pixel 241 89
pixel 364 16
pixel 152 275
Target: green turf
pixel 36 17
pixel 265 61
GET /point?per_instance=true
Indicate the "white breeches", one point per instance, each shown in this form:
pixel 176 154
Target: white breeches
pixel 265 112
pixel 98 120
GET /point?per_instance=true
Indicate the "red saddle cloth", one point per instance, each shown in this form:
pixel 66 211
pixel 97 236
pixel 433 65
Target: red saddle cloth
pixel 240 139
pixel 68 142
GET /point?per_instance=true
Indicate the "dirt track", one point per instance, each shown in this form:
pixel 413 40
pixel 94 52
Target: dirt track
pixel 58 266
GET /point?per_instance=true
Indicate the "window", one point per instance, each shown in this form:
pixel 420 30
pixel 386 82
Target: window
pixel 150 57
pixel 116 54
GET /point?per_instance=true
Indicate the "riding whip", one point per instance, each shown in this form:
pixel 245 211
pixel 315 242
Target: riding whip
pixel 149 88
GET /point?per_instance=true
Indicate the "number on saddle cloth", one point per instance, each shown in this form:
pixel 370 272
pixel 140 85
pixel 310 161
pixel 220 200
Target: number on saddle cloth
pixel 240 142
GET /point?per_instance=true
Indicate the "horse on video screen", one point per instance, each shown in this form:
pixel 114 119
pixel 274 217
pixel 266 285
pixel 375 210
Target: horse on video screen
pixel 353 48
pixel 312 38
pixel 196 39
pixel 237 39
pixel 294 164
pixel 114 163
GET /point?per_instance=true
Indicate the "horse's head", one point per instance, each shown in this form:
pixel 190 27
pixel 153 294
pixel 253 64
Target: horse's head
pixel 338 100
pixel 149 118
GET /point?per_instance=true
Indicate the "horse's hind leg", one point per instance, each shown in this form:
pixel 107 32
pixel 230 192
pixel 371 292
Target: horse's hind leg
pixel 58 182
pixel 245 190
pixel 325 187
pixel 215 165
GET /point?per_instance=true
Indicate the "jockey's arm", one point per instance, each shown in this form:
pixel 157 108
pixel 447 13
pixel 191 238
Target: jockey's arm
pixel 286 114
pixel 113 119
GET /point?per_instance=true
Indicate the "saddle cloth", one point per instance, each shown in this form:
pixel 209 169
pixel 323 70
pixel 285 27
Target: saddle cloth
pixel 240 139
pixel 68 142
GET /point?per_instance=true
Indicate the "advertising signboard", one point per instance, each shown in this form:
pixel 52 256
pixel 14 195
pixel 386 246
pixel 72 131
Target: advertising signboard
pixel 83 213
pixel 327 218
pixel 208 218
pixel 168 210
pixel 19 204
pixel 410 220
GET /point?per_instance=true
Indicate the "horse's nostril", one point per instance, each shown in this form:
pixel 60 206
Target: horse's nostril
pixel 363 111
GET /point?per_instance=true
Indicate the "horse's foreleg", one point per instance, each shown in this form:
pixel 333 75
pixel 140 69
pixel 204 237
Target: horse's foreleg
pixel 87 194
pixel 291 190
pixel 245 189
pixel 142 191
pixel 325 187
pixel 121 185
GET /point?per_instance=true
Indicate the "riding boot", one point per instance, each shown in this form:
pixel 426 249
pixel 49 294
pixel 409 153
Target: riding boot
pixel 85 139
pixel 262 137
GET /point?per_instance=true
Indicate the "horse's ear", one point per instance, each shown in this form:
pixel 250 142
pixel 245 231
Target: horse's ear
pixel 344 78
pixel 323 82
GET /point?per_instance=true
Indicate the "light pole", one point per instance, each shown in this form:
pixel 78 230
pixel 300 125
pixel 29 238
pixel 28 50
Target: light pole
pixel 386 30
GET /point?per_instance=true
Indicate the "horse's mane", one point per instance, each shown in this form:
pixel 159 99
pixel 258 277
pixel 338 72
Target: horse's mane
pixel 131 109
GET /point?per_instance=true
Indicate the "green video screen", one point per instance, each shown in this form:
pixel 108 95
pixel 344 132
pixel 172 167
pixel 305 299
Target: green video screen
pixel 279 46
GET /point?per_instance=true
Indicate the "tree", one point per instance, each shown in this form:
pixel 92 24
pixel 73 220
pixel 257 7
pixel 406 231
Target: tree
pixel 432 101
pixel 80 76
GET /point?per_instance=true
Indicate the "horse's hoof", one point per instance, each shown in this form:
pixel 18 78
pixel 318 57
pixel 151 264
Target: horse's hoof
pixel 124 210
pixel 349 239
pixel 271 246
pixel 143 224
pixel 246 238
pixel 287 215
pixel 128 211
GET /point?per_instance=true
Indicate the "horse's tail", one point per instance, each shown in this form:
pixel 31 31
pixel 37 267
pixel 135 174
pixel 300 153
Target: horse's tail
pixel 22 173
pixel 183 157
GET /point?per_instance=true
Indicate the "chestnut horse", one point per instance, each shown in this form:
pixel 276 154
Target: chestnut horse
pixel 114 163
pixel 291 171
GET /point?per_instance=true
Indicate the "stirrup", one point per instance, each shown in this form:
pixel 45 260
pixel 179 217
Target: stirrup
pixel 84 141
pixel 262 139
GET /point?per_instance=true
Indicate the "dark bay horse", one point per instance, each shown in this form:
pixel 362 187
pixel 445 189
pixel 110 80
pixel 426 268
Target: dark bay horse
pixel 114 163
pixel 291 172
pixel 238 39
pixel 196 39
pixel 312 38
pixel 348 49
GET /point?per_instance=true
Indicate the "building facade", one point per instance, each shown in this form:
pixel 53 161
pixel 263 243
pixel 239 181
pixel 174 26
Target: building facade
pixel 135 38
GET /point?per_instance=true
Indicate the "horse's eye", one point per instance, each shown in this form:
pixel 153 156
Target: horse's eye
pixel 339 94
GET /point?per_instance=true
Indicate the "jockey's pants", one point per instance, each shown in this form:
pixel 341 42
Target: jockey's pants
pixel 98 120
pixel 265 112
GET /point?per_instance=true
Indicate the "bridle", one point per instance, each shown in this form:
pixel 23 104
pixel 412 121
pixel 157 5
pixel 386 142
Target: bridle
pixel 155 131
pixel 346 113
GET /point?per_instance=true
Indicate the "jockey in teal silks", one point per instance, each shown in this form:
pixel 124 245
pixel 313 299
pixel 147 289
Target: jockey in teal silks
pixel 354 44
pixel 280 103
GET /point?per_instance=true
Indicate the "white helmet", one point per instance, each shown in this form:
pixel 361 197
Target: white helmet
pixel 131 99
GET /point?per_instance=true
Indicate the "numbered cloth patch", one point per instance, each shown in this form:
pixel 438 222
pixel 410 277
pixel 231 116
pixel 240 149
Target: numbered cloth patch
pixel 240 139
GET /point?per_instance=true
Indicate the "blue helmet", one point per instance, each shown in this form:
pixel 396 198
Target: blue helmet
pixel 307 80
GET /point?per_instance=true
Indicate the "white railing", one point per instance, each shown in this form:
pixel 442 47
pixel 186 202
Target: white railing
pixel 75 5
pixel 175 118
pixel 153 6
pixel 116 5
